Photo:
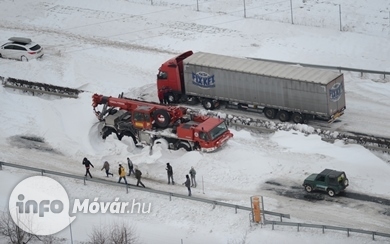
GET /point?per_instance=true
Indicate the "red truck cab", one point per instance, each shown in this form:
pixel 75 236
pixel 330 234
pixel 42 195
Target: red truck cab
pixel 171 73
pixel 207 133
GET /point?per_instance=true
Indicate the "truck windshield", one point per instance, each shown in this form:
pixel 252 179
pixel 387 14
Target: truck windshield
pixel 219 130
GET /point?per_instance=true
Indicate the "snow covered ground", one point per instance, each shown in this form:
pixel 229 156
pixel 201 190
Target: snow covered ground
pixel 117 46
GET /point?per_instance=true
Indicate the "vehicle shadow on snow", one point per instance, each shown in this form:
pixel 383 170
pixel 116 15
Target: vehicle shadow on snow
pixel 298 192
pixel 31 142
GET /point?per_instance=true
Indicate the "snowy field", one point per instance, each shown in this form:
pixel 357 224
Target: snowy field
pixel 117 46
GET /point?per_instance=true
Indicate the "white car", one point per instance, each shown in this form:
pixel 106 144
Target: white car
pixel 21 48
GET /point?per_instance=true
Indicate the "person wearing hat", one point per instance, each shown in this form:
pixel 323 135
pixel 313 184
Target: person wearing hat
pixel 87 165
pixel 170 174
pixel 122 174
pixel 106 166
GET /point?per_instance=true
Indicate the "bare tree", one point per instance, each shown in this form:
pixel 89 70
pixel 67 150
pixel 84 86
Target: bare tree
pixel 9 229
pixel 99 235
pixel 114 233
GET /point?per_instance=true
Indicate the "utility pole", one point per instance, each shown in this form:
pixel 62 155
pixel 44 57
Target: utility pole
pixel 341 29
pixel 244 10
pixel 292 18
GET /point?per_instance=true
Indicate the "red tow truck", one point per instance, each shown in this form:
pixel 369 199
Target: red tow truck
pixel 151 123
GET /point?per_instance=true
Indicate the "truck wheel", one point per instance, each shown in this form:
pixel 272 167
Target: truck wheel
pixel 208 104
pixel 161 118
pixel 283 116
pixel 184 145
pixel 297 118
pixel 331 192
pixel 171 98
pixel 308 188
pixel 269 113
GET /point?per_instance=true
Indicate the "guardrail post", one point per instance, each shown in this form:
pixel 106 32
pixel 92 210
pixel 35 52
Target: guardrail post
pixel 235 208
pixel 1 166
pixel 281 218
pixel 323 229
pixel 214 204
pixel 42 171
pixel 373 236
pixel 298 227
pixel 273 225
pixel 170 196
pixel 348 232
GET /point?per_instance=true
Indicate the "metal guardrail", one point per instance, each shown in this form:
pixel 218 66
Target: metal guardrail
pixel 328 227
pixel 170 194
pixel 339 68
pixel 213 202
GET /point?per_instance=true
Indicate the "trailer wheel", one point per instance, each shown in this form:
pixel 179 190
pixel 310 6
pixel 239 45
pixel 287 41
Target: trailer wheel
pixel 208 104
pixel 161 118
pixel 269 113
pixel 297 118
pixel 184 145
pixel 192 100
pixel 283 116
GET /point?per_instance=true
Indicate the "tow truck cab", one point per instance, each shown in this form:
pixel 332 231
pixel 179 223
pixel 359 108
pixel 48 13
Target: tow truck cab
pixel 208 134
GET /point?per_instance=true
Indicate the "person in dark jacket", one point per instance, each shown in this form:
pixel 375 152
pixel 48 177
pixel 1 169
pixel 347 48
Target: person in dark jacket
pixel 87 165
pixel 160 95
pixel 122 174
pixel 131 166
pixel 166 92
pixel 188 185
pixel 138 174
pixel 193 174
pixel 106 166
pixel 170 174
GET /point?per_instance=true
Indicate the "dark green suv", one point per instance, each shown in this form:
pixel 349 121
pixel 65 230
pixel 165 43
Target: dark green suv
pixel 331 181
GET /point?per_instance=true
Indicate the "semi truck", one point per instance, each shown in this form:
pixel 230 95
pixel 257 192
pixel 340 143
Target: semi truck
pixel 150 123
pixel 284 92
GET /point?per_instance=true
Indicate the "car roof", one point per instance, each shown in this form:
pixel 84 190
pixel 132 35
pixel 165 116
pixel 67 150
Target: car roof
pixel 21 40
pixel 332 173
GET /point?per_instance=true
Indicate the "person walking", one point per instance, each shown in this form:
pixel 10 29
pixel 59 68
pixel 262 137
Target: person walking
pixel 138 174
pixel 188 185
pixel 106 166
pixel 170 174
pixel 87 165
pixel 192 174
pixel 131 166
pixel 122 174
